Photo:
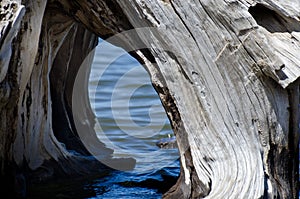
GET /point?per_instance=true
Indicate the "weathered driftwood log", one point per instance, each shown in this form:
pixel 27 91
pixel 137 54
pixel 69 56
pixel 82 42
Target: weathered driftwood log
pixel 227 73
pixel 41 51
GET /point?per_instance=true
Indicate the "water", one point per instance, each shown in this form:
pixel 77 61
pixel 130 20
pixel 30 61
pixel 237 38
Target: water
pixel 130 120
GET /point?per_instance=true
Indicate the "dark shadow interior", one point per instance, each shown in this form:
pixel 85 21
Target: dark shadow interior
pixel 272 21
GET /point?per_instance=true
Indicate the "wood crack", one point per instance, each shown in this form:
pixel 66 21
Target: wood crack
pixel 185 25
pixel 294 122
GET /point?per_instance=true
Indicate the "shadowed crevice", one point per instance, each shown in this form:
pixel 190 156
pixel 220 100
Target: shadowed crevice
pixel 272 21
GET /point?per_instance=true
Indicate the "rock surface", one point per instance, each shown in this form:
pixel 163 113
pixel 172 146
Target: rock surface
pixel 167 143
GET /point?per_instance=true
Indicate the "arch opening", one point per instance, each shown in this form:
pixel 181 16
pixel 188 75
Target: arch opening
pixel 66 69
pixel 132 122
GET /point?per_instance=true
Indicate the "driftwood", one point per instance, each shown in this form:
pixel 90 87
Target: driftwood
pixel 227 72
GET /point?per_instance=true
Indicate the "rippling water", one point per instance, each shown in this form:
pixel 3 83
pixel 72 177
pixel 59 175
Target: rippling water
pixel 130 120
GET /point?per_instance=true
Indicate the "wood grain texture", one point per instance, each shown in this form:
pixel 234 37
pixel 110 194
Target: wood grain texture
pixel 31 41
pixel 230 82
pixel 227 72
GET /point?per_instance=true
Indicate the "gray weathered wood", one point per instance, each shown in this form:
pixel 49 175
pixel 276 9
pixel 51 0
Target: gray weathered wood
pixel 227 73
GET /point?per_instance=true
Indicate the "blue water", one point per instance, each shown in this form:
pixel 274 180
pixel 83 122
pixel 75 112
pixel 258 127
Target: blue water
pixel 130 120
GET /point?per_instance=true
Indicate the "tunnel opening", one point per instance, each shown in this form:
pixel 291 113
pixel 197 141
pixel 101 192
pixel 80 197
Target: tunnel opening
pixel 128 135
pixel 132 121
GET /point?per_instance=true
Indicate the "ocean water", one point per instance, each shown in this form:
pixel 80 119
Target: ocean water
pixel 130 120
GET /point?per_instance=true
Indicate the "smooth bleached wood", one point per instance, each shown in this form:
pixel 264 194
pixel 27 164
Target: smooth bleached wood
pixel 227 73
